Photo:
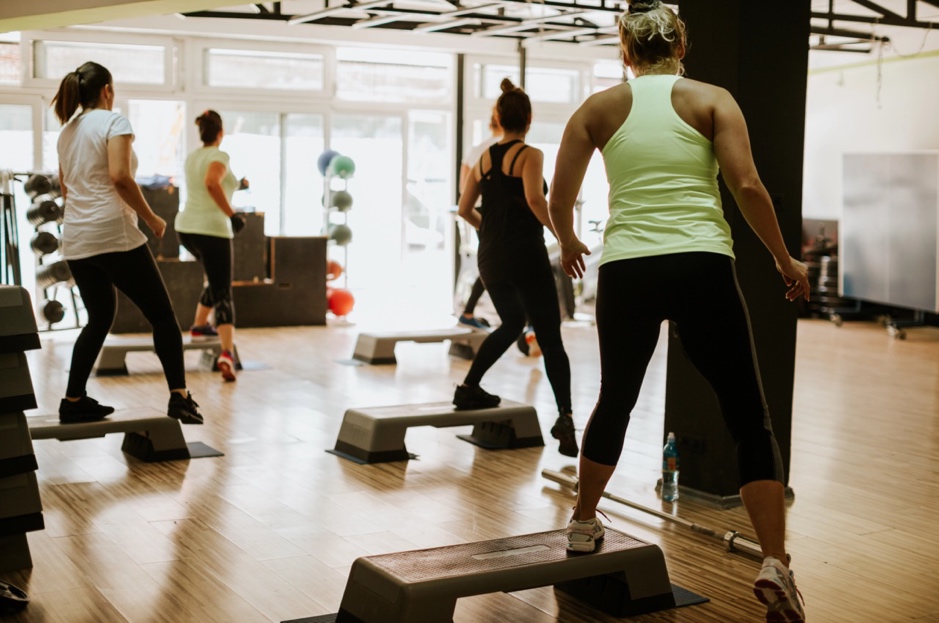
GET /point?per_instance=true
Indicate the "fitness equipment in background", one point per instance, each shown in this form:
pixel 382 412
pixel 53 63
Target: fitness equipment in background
pixel 9 236
pixel 45 213
pixel 337 200
pixel 340 301
pixel 731 539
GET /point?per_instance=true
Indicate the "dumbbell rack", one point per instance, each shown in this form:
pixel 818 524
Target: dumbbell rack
pixel 42 187
pixel 20 505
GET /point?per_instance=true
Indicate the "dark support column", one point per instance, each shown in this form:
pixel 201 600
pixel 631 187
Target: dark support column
pixel 458 141
pixel 759 52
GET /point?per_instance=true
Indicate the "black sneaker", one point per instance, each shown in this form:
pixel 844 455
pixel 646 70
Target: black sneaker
pixel 184 409
pixel 474 398
pixel 84 409
pixel 563 431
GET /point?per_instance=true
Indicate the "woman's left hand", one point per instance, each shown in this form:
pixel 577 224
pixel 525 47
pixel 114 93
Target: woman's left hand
pixel 572 258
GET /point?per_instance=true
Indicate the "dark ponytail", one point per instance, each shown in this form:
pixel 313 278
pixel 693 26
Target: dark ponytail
pixel 210 124
pixel 514 108
pixel 81 87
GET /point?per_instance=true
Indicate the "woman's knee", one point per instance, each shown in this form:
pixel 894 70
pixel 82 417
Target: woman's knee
pixel 224 308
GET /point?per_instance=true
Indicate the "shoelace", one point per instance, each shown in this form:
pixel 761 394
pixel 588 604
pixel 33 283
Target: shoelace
pixel 611 521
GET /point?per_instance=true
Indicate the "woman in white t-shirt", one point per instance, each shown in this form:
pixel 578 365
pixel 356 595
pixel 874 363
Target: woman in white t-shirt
pixel 102 244
pixel 206 227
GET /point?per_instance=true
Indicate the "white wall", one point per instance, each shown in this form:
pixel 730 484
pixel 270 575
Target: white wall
pixel 848 111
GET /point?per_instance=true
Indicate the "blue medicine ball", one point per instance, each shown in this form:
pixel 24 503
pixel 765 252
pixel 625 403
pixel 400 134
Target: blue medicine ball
pixel 322 163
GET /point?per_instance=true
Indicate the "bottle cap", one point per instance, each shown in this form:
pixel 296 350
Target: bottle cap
pixel 671 436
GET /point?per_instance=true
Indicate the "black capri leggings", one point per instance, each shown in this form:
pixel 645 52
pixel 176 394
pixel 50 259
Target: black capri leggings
pixel 136 275
pixel 527 293
pixel 215 254
pixel 698 292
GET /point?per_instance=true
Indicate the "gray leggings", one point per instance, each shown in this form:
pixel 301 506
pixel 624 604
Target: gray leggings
pixel 698 292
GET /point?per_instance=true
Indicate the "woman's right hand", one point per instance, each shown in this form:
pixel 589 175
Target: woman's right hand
pixel 796 276
pixel 572 258
pixel 157 224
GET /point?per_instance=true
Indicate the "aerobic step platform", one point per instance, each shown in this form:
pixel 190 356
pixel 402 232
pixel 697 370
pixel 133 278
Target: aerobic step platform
pixel 623 577
pixel 378 348
pixel 376 434
pixel 149 435
pixel 113 356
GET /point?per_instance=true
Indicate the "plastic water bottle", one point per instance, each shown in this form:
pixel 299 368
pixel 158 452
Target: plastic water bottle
pixel 670 470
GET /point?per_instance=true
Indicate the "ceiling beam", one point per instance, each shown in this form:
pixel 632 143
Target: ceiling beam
pixel 316 15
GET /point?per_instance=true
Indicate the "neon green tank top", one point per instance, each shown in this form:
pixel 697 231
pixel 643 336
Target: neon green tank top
pixel 663 181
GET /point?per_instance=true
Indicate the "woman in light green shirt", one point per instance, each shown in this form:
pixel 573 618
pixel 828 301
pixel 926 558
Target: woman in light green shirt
pixel 668 255
pixel 205 227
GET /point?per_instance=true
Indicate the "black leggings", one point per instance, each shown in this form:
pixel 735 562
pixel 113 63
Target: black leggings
pixel 698 292
pixel 475 294
pixel 215 254
pixel 136 275
pixel 530 294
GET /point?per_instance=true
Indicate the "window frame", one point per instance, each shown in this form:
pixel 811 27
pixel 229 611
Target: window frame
pixel 196 75
pixel 171 51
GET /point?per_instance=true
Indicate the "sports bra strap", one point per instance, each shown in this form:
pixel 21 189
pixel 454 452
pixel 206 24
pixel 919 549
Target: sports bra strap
pixel 520 150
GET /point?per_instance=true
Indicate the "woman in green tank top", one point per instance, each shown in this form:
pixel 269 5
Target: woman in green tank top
pixel 668 255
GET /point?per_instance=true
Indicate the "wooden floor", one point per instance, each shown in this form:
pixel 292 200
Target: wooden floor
pixel 269 531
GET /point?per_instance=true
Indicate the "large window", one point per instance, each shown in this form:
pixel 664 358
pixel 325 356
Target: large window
pixel 252 139
pixel 427 215
pixel 16 137
pixel 303 185
pixel 550 85
pixel 375 143
pixel 128 63
pixel 364 75
pixel 607 74
pixel 257 69
pixel 10 63
pixel 159 137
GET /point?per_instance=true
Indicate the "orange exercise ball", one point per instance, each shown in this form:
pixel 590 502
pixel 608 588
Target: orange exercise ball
pixel 340 301
pixel 333 270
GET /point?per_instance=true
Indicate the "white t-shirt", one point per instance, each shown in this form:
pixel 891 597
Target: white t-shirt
pixel 96 218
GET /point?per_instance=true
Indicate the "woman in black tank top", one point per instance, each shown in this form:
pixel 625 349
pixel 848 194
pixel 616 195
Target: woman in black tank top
pixel 513 261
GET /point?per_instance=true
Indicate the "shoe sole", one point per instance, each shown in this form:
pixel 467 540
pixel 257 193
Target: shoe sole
pixel 227 371
pixel 585 547
pixel 185 417
pixel 83 419
pixel 777 601
pixel 474 407
pixel 568 442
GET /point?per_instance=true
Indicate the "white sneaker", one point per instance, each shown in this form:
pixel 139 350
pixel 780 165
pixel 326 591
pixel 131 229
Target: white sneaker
pixel 582 536
pixel 775 587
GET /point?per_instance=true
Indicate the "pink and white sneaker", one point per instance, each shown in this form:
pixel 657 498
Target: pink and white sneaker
pixel 226 365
